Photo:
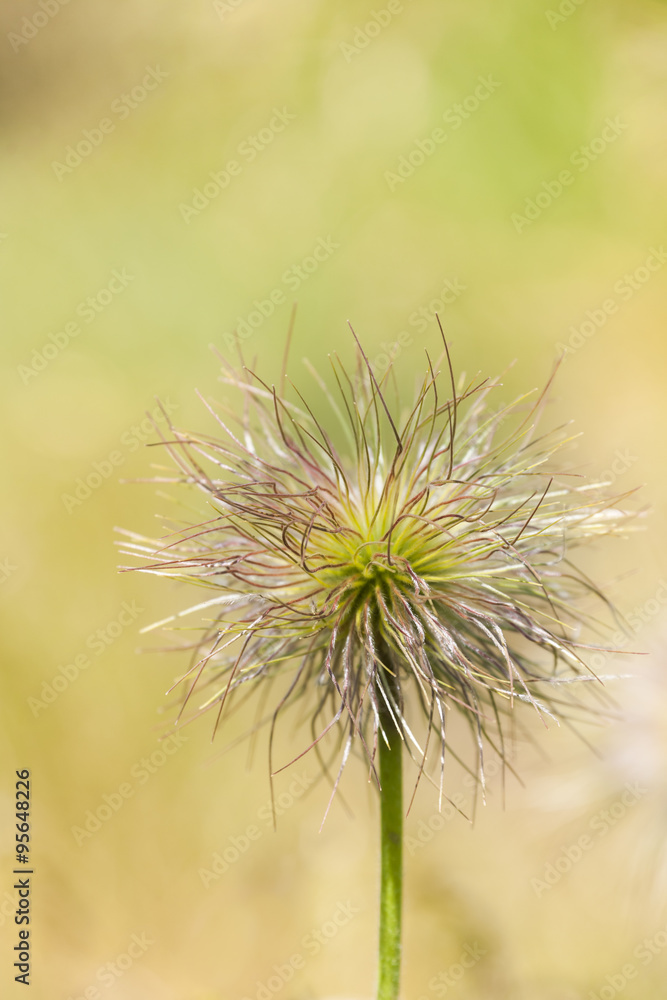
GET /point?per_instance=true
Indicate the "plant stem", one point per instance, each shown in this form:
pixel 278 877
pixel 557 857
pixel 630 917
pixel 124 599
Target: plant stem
pixel 391 887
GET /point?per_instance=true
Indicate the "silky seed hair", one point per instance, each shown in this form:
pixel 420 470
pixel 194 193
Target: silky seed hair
pixel 392 561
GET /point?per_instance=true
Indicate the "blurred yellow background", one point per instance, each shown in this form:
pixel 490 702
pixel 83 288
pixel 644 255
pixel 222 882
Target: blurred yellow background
pixel 172 173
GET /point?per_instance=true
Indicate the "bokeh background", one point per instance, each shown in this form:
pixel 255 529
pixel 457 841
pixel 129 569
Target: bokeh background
pixel 129 246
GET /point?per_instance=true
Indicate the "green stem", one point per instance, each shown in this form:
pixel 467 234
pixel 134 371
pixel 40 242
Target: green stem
pixel 391 888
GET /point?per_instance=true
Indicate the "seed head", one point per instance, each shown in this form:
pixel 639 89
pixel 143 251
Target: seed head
pixel 398 565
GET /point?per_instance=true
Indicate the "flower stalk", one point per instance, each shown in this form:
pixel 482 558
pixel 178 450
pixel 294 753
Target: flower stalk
pixel 391 839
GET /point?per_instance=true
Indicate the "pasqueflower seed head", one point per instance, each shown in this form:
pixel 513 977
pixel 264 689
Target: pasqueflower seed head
pixel 401 564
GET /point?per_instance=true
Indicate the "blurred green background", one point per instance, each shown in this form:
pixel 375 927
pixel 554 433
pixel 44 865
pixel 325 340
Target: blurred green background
pixel 169 172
